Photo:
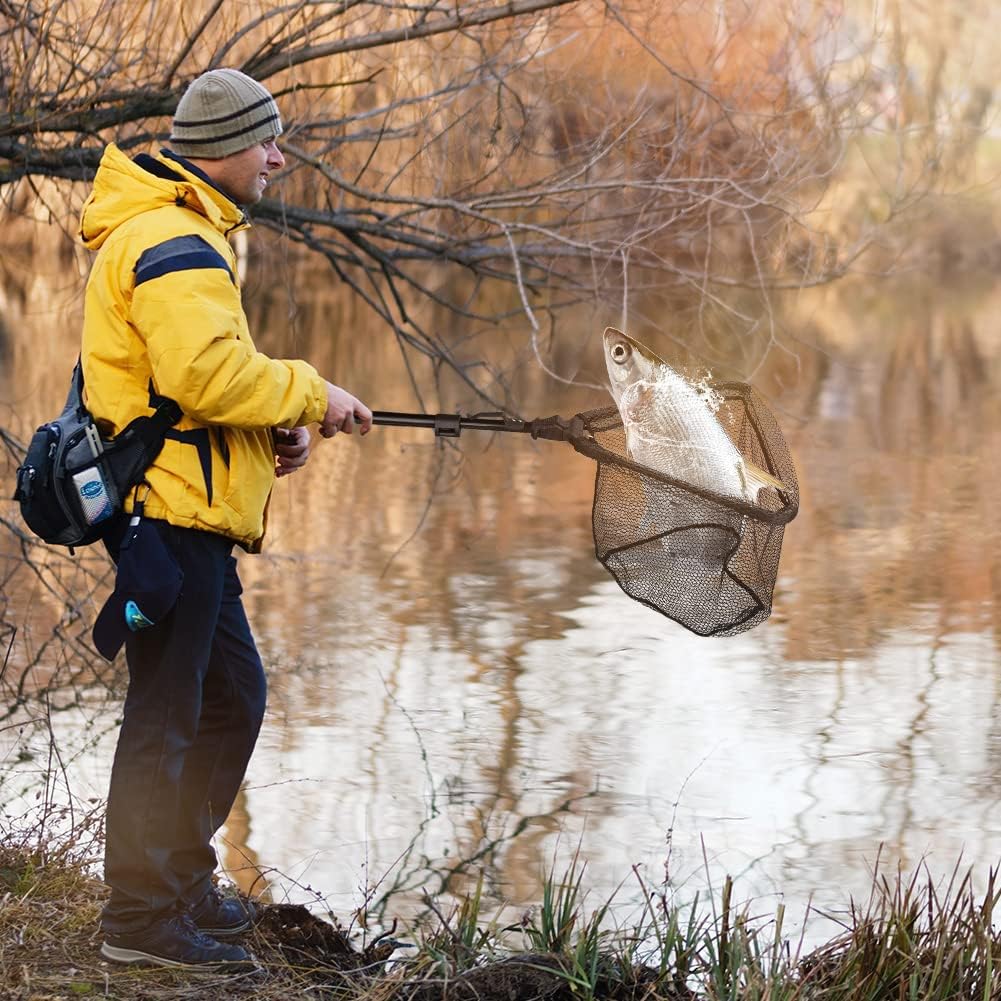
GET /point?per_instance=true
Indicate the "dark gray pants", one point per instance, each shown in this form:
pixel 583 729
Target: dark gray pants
pixel 192 714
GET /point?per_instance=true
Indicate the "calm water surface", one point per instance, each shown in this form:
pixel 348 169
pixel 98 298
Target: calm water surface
pixel 457 686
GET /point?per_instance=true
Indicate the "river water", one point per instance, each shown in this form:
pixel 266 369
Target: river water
pixel 457 687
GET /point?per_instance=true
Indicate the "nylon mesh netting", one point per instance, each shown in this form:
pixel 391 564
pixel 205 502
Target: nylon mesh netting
pixel 706 560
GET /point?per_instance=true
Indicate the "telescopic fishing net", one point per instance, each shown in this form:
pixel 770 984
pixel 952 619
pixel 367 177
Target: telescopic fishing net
pixel 706 560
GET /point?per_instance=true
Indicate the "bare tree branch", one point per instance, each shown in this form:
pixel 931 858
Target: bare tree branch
pixel 556 151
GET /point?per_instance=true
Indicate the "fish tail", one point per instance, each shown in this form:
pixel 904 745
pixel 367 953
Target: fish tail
pixel 754 478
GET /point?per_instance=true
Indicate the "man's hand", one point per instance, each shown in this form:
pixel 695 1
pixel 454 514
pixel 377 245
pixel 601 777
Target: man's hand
pixel 291 449
pixel 343 412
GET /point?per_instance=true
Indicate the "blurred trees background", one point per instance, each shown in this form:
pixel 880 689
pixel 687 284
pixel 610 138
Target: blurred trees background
pixel 681 157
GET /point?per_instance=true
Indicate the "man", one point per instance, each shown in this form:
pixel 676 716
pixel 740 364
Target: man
pixel 163 319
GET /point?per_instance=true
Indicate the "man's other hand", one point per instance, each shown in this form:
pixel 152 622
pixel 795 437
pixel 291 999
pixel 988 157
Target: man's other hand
pixel 291 449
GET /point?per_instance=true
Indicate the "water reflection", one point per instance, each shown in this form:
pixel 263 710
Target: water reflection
pixel 456 684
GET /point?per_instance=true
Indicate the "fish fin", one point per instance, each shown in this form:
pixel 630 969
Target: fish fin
pixel 753 478
pixel 634 401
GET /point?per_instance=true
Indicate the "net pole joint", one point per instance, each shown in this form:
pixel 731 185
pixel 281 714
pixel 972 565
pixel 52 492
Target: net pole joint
pixel 447 425
pixel 556 428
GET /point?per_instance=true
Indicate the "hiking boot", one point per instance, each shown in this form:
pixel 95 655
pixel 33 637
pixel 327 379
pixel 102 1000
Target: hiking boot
pixel 176 942
pixel 222 917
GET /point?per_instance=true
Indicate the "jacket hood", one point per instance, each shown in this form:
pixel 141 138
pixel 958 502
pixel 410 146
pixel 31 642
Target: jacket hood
pixel 123 189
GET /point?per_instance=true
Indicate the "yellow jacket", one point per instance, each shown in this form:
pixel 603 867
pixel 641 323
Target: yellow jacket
pixel 163 317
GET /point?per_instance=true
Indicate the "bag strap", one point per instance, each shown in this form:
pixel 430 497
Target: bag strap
pixel 153 428
pixel 147 430
pixel 165 409
pixel 74 399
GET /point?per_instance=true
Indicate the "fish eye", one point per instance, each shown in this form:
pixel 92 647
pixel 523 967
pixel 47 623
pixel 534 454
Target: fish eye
pixel 620 353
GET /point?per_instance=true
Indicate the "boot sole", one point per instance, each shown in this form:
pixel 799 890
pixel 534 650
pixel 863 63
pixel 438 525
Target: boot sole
pixel 229 932
pixel 136 957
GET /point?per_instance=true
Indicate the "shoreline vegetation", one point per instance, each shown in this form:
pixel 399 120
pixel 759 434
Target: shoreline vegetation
pixel 913 940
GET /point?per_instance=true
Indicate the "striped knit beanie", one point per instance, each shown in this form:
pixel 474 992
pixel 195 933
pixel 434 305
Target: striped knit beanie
pixel 223 112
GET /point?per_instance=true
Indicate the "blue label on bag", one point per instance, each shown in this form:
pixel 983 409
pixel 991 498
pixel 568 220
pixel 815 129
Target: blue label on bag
pixel 134 618
pixel 94 500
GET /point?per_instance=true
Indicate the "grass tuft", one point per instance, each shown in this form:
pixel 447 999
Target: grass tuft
pixel 913 940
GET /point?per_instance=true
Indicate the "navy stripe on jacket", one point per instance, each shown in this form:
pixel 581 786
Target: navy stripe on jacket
pixel 181 253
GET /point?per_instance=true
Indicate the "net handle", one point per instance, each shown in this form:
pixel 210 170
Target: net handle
pixel 452 425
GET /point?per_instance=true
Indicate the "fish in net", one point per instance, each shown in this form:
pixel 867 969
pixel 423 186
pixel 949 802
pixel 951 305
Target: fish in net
pixel 695 486
pixel 707 560
pixel 688 522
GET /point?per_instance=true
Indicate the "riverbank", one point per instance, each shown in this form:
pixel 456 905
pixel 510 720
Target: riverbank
pixel 912 940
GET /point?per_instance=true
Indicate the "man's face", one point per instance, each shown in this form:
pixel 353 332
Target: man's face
pixel 244 175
